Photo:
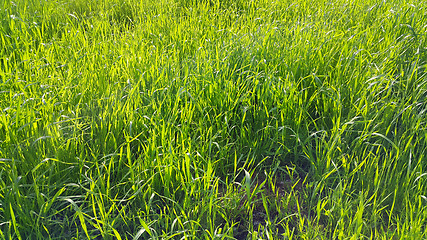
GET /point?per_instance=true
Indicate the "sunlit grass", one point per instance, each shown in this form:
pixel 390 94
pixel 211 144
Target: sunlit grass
pixel 213 119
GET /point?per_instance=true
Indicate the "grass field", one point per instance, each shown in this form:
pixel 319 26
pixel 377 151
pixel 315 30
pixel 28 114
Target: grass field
pixel 219 119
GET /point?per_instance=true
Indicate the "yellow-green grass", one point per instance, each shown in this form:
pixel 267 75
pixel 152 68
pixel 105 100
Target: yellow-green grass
pixel 219 119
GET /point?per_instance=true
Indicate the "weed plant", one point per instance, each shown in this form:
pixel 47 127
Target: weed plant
pixel 216 119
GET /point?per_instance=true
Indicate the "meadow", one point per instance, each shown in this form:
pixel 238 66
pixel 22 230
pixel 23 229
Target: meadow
pixel 213 119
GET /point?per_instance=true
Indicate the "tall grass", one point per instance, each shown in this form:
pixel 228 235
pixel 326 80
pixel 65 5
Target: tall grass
pixel 213 119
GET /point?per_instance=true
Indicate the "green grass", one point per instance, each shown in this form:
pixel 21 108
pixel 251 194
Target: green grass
pixel 220 119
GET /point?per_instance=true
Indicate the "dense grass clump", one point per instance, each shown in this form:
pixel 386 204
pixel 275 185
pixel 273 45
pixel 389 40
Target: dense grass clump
pixel 213 119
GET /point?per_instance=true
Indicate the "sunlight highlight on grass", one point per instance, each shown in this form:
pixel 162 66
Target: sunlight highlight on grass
pixel 213 119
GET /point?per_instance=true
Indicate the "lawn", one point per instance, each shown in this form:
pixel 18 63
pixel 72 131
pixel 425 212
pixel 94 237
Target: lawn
pixel 213 119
